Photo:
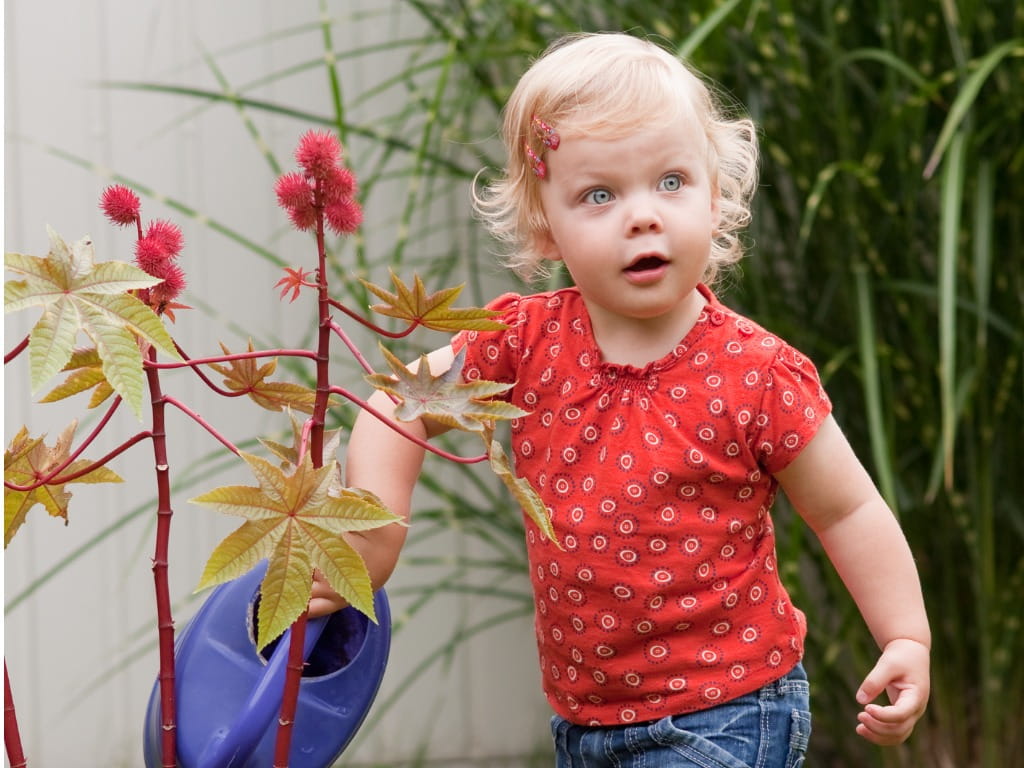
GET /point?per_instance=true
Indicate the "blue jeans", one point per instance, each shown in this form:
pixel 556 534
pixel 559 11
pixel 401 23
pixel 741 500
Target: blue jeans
pixel 768 728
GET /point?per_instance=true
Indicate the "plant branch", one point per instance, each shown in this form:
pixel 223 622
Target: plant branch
pixel 315 429
pixel 152 364
pixel 406 433
pixel 373 326
pixel 169 400
pixel 356 352
pixel 290 703
pixel 52 480
pixel 165 620
pixel 206 379
pixel 307 426
pixel 12 736
pixel 52 476
pixel 16 351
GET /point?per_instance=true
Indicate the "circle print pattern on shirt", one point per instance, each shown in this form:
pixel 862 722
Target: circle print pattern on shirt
pixel 664 595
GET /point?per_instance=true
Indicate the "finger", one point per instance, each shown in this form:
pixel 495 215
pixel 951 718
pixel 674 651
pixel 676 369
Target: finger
pixel 907 701
pixel 883 738
pixel 321 606
pixel 886 725
pixel 883 732
pixel 874 684
pixel 900 710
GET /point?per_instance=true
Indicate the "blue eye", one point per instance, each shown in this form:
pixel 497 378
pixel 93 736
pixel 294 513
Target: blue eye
pixel 673 182
pixel 598 196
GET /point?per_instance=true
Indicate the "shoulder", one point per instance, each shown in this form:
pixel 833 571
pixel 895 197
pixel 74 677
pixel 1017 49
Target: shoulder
pixel 748 340
pixel 540 313
pixel 536 326
pixel 760 360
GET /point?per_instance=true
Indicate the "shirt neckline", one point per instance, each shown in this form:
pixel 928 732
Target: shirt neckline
pixel 624 370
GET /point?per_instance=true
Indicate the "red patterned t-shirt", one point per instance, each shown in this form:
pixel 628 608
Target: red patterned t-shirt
pixel 666 596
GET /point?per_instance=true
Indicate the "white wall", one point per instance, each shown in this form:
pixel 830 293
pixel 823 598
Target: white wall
pixel 80 648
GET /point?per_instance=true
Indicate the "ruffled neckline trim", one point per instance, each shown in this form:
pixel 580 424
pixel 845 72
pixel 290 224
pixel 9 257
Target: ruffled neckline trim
pixel 713 313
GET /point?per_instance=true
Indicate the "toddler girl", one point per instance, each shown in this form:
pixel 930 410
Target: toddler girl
pixel 661 425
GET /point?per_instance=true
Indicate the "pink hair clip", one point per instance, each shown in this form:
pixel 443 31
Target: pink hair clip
pixel 547 134
pixel 549 138
pixel 539 169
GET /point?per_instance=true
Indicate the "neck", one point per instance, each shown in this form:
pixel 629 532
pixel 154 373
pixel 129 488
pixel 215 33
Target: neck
pixel 639 341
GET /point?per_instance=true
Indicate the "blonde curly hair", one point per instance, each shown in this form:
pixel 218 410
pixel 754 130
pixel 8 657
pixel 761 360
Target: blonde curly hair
pixel 609 85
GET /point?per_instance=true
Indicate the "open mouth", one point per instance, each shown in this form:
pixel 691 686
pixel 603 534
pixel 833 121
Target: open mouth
pixel 646 264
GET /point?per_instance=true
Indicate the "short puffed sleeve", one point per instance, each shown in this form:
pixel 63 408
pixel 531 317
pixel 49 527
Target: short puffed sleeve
pixel 493 355
pixel 793 406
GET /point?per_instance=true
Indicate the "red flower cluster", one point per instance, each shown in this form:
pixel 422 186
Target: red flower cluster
pixel 155 251
pixel 324 187
pixel 120 205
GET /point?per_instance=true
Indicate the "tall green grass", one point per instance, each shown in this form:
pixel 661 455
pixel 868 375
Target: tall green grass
pixel 887 244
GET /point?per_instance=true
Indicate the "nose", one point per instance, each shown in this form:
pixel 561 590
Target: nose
pixel 644 216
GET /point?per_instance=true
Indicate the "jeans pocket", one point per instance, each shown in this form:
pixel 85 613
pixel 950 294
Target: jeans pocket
pixel 695 748
pixel 799 738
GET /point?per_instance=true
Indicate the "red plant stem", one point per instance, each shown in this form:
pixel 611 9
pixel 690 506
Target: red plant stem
pixel 226 358
pixel 201 422
pixel 293 674
pixel 51 476
pixel 16 351
pixel 356 353
pixel 12 736
pixel 206 379
pixel 372 326
pixel 406 433
pixel 304 438
pixel 165 621
pixel 290 704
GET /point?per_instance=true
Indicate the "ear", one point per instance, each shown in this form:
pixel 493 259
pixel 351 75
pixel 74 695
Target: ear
pixel 716 209
pixel 545 245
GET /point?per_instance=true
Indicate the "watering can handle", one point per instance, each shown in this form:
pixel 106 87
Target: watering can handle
pixel 230 747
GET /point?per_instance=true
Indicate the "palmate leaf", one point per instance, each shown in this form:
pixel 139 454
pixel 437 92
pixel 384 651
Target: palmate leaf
pixel 445 398
pixel 295 518
pixel 77 294
pixel 85 372
pixel 249 376
pixel 433 310
pixel 28 459
pixel 520 488
pixel 463 405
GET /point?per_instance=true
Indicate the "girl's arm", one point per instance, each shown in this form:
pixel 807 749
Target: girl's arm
pixel 382 461
pixel 833 493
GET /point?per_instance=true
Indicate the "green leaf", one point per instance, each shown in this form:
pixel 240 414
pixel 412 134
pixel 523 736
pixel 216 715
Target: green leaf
pixel 520 488
pixel 85 372
pixel 239 552
pixel 247 375
pixel 342 566
pixel 28 459
pixel 965 99
pixel 296 518
pixel 78 294
pixel 286 588
pixel 444 398
pixel 51 342
pixel 434 310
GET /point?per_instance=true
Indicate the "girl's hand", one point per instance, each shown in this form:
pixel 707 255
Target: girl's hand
pixel 324 600
pixel 902 672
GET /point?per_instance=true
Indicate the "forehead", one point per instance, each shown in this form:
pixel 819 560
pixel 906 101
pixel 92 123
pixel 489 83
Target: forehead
pixel 650 150
pixel 674 131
